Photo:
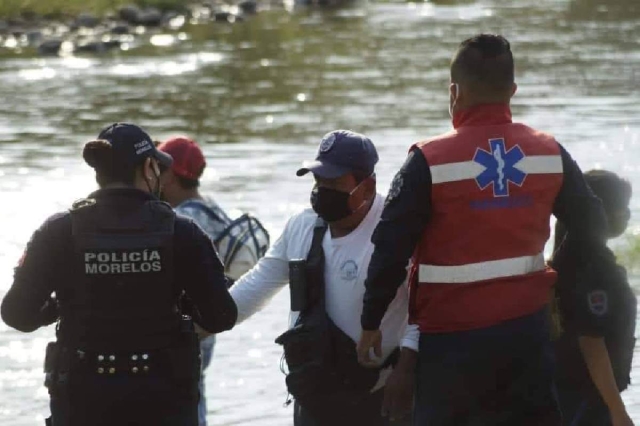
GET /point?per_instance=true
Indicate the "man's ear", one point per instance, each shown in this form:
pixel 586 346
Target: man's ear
pixel 147 169
pixel 454 91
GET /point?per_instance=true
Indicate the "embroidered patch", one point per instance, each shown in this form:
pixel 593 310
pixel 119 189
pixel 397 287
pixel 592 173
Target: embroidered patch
pixel 598 304
pixel 327 142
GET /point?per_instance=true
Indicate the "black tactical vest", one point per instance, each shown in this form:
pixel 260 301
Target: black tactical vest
pixel 321 358
pixel 122 297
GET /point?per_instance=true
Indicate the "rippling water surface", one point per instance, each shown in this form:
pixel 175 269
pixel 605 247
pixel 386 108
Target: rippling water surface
pixel 259 95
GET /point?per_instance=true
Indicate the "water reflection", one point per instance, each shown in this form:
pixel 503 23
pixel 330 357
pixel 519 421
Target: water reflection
pixel 610 10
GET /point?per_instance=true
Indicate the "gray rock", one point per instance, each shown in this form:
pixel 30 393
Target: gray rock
pixel 87 20
pixel 93 46
pixel 90 47
pixel 150 17
pixel 16 22
pixel 112 44
pixel 50 47
pixel 130 14
pixel 169 15
pixel 249 7
pixel 120 29
pixel 4 26
pixel 174 20
pixel 34 37
pixel 225 17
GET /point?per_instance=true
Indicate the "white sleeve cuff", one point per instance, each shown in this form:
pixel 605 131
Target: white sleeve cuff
pixel 411 337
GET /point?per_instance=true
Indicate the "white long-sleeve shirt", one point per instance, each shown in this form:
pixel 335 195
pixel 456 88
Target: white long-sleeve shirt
pixel 346 263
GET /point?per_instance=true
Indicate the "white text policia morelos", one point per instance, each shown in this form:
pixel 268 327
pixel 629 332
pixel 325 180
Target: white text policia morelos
pixel 123 262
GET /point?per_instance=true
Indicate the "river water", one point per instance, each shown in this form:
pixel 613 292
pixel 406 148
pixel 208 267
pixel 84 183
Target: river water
pixel 259 95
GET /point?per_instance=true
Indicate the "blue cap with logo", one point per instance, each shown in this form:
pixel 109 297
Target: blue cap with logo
pixel 133 145
pixel 342 152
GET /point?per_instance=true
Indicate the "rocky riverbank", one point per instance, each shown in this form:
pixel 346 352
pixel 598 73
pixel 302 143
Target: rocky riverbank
pixel 120 29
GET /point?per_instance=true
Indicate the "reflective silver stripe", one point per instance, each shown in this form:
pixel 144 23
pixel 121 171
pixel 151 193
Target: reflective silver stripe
pixel 532 164
pixel 481 271
pixel 540 164
pixel 453 172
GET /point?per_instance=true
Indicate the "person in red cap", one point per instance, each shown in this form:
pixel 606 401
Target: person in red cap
pixel 180 188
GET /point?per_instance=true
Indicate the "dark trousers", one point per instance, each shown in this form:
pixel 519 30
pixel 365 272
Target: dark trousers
pixel 496 376
pixel 365 413
pixel 130 401
pixel 582 409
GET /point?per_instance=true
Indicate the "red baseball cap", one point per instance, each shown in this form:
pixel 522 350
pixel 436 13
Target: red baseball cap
pixel 188 160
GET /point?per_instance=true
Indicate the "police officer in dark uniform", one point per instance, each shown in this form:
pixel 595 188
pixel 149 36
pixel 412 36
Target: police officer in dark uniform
pixel 112 271
pixel 595 352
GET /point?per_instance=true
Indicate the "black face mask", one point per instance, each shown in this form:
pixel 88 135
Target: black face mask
pixel 330 204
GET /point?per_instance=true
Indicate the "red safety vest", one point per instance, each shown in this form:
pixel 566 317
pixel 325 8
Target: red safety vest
pixel 480 259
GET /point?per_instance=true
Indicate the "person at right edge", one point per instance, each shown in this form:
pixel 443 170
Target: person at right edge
pixel 595 351
pixel 473 208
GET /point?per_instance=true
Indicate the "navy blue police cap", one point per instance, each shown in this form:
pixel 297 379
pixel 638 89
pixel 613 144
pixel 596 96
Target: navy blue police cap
pixel 133 145
pixel 341 152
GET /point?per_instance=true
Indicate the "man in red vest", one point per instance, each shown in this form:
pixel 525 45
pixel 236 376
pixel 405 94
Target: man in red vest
pixel 471 208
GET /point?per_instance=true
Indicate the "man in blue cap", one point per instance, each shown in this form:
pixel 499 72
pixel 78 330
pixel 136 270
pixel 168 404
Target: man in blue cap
pixel 326 272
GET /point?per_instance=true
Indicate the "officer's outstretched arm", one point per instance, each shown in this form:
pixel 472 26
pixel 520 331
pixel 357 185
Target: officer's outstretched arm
pixel 199 269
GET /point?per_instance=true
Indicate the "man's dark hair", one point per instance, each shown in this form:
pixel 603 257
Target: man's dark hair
pixel 100 156
pixel 484 63
pixel 186 183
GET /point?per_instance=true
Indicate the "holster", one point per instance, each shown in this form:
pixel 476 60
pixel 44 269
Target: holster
pixel 50 362
pixel 298 284
pixel 57 364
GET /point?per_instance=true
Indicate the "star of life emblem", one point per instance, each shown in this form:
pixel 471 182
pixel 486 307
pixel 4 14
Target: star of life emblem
pixel 499 167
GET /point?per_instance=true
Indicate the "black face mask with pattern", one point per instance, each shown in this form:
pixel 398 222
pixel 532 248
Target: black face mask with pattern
pixel 330 204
